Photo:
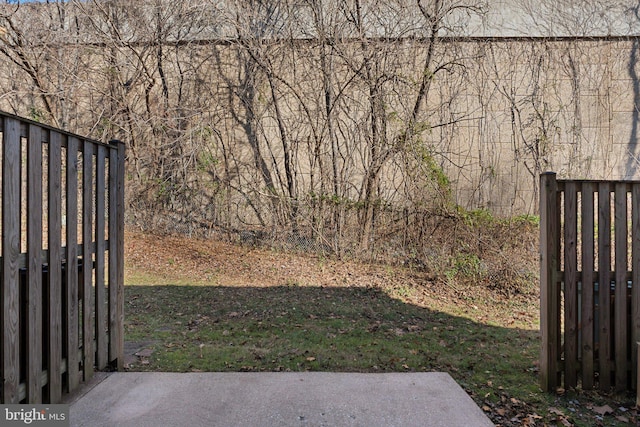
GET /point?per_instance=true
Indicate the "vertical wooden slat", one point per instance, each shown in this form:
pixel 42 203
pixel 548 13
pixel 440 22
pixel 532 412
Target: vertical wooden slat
pixel 558 283
pixel 34 265
pixel 120 254
pixel 620 306
pixel 54 289
pixel 638 379
pixel 113 258
pixel 71 282
pixel 100 306
pixel 604 284
pixel 549 303
pixel 635 278
pixel 88 356
pixel 570 285
pixel 587 311
pixel 9 318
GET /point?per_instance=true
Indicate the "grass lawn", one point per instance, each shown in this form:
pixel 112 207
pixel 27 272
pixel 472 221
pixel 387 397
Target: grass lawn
pixel 194 305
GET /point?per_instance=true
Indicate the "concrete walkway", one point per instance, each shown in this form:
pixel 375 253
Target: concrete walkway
pixel 274 399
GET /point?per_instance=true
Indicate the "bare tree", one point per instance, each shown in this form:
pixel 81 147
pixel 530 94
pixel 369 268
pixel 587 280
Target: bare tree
pixel 32 37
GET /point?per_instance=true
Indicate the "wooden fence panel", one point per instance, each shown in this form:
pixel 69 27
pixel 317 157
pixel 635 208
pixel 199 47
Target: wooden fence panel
pixel 53 298
pixel 601 322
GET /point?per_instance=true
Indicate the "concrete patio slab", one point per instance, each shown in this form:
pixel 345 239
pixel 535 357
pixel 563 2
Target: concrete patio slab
pixel 275 399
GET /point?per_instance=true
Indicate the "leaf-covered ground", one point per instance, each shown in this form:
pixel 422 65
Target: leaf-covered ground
pixel 203 305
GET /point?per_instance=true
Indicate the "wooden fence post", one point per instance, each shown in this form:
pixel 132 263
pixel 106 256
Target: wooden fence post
pixel 118 236
pixel 635 280
pixel 10 315
pixel 549 291
pixel 638 373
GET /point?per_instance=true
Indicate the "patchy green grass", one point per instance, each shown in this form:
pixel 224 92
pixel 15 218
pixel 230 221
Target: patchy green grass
pixel 313 328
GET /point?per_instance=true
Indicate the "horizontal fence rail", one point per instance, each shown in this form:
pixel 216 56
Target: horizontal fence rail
pixel 590 283
pixel 61 260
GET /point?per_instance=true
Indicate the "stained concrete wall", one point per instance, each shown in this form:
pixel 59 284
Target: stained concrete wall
pixel 507 110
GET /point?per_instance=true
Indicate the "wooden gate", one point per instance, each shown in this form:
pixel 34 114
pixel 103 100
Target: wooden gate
pixel 62 267
pixel 590 283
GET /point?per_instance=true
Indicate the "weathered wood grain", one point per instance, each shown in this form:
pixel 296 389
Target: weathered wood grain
pixel 635 279
pixel 100 292
pixel 588 306
pixel 570 285
pixel 9 325
pixel 34 265
pixel 604 284
pixel 71 337
pixel 54 289
pixel 549 301
pixel 620 304
pixel 88 354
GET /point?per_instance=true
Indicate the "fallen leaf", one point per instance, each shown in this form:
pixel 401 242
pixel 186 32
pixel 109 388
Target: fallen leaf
pixel 147 352
pixel 555 411
pixel 622 419
pixel 485 408
pixel 310 359
pixel 565 422
pixel 603 410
